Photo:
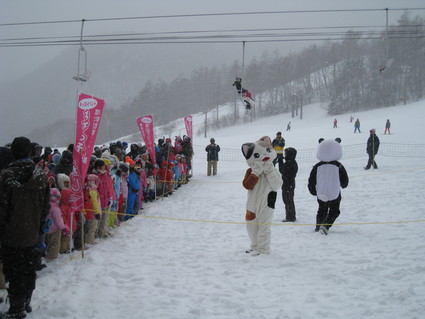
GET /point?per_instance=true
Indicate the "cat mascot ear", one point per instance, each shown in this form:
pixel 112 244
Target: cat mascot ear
pixel 247 149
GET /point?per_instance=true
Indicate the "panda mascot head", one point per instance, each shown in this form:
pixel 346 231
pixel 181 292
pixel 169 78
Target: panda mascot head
pixel 329 150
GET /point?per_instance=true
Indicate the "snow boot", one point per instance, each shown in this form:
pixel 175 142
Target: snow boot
pixel 16 310
pixel 324 230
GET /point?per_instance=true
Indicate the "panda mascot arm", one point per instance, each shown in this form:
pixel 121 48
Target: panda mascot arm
pixel 343 176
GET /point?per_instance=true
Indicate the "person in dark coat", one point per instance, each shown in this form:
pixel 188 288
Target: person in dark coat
pixel 212 157
pixel 5 157
pixel 187 151
pixel 65 164
pixel 289 170
pixel 24 205
pixel 46 154
pixel 372 149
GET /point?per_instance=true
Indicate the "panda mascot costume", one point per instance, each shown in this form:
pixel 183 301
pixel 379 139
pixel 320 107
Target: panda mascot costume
pixel 325 181
pixel 262 180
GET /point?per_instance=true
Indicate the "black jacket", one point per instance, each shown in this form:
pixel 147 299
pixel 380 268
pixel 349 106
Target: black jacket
pixel 289 169
pixel 212 152
pixel 24 203
pixel 372 144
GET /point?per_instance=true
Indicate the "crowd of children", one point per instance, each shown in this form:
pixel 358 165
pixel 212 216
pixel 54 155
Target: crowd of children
pixel 117 185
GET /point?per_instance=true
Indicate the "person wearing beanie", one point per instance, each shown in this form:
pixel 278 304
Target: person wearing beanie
pixel 372 147
pixel 23 212
pixel 278 145
pixel 212 157
pixel 65 163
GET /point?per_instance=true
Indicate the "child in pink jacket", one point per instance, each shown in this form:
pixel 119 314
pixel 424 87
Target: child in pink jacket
pixel 53 237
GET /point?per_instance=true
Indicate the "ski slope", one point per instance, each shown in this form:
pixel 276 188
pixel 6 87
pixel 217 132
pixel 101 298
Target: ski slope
pixel 184 258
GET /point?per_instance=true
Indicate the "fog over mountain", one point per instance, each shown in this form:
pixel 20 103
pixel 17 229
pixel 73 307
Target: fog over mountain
pixel 118 74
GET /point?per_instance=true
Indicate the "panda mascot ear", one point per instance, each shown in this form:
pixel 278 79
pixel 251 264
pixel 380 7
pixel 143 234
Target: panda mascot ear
pixel 338 140
pixel 247 149
pixel 321 140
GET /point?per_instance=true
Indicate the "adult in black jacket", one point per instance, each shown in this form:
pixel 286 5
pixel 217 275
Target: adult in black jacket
pixel 289 170
pixel 372 149
pixel 24 205
pixel 187 151
pixel 212 157
pixel 5 157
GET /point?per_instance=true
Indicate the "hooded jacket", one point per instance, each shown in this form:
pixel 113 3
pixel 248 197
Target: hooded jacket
pixel 24 203
pixel 289 169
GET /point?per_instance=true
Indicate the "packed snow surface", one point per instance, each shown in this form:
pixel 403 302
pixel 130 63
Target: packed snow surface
pixel 184 256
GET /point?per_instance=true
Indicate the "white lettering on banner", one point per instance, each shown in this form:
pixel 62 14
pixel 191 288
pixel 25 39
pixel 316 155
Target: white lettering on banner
pixel 189 118
pixel 87 104
pixel 146 120
pixel 81 144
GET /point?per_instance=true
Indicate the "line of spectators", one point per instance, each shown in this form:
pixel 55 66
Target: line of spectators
pixel 117 184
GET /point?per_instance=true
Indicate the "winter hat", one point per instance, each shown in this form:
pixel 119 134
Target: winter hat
pixel 55 195
pixel 56 158
pixel 129 161
pixel 92 180
pixel 21 148
pixel 62 178
pixel 106 161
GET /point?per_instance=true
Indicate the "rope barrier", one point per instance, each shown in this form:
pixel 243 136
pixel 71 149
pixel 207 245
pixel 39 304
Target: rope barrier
pixel 309 155
pixel 276 224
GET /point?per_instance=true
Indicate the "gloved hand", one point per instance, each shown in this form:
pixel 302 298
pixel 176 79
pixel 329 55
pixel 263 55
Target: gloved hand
pixel 268 167
pixel 66 231
pixel 258 168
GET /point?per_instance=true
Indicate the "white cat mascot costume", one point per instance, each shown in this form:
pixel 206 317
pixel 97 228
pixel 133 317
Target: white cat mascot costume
pixel 262 180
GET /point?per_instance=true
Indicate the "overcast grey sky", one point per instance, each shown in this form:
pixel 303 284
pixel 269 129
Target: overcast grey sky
pixel 16 62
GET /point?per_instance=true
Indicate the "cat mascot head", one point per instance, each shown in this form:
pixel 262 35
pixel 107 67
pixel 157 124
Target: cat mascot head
pixel 262 150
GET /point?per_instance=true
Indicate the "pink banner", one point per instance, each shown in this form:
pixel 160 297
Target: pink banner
pixel 188 123
pixel 146 128
pixel 89 114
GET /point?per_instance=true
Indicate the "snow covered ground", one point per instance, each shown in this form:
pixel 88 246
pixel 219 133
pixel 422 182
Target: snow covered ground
pixel 184 256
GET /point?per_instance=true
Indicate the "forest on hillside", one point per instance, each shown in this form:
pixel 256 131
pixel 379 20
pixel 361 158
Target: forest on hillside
pixel 363 71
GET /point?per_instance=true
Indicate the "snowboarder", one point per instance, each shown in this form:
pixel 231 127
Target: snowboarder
pixel 247 98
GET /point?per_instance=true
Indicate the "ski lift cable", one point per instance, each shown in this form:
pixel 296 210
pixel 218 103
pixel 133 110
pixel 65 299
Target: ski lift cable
pixel 251 37
pixel 228 41
pixel 395 30
pixel 212 15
